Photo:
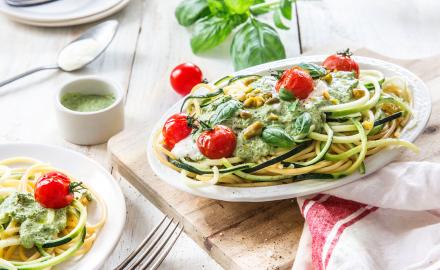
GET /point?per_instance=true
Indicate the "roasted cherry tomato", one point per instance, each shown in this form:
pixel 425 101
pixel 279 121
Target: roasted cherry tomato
pixel 218 142
pixel 175 129
pixel 184 77
pixel 295 81
pixel 55 190
pixel 341 61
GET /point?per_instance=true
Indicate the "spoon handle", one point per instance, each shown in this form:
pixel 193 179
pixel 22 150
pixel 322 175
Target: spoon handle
pixel 24 74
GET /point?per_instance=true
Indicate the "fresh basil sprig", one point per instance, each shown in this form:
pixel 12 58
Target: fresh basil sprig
pixel 286 8
pixel 211 31
pixel 225 111
pixel 284 94
pixel 189 11
pixel 239 6
pixel 314 70
pixel 276 136
pixel 254 43
pixel 302 125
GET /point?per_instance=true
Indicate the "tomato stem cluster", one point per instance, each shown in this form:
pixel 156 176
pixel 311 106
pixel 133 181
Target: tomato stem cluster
pixel 197 124
pixel 76 186
pixel 346 53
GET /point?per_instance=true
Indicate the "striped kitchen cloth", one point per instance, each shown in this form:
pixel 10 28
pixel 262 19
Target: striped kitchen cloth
pixel 387 220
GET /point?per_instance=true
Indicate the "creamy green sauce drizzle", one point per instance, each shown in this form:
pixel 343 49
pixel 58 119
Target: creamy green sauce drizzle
pixel 86 103
pixel 342 84
pixel 290 115
pixel 37 224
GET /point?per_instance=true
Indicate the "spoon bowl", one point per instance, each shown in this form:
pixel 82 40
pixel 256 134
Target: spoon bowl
pixel 87 47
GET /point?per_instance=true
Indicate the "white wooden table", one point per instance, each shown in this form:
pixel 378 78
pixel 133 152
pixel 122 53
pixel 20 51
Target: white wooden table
pixel 150 43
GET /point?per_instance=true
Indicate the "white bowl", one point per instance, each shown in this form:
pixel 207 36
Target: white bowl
pixel 421 109
pixel 89 128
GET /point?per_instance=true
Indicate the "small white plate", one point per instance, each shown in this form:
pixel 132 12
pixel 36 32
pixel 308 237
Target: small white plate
pixel 79 21
pixel 422 111
pixel 62 12
pixel 97 178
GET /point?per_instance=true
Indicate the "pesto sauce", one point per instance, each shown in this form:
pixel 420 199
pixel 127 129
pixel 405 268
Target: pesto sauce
pixel 253 149
pixel 86 103
pixel 342 85
pixel 37 224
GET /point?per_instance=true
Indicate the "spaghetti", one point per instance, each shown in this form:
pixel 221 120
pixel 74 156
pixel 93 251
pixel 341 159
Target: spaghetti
pixel 348 119
pixel 19 175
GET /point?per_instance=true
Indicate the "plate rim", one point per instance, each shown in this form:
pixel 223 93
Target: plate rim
pixel 79 21
pixel 115 184
pixel 40 20
pixel 235 194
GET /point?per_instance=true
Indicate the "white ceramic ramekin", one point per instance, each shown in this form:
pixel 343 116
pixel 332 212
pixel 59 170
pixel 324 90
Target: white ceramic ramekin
pixel 89 128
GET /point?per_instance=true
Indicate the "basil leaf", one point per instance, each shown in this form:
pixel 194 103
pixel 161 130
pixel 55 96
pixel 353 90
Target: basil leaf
pixel 278 21
pixel 217 7
pixel 293 105
pixel 284 94
pixel 211 31
pixel 277 73
pixel 277 137
pixel 314 70
pixel 239 6
pixel 302 124
pixel 286 8
pixel 257 9
pixel 225 111
pixel 189 11
pixel 256 43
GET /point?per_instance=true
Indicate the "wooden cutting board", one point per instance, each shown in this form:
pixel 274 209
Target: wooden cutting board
pixel 247 235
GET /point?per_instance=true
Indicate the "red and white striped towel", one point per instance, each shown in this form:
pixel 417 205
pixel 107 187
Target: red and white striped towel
pixel 384 221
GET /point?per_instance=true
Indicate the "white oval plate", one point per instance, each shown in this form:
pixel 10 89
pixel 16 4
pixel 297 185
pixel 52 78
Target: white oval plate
pixel 422 110
pixel 97 178
pixel 60 10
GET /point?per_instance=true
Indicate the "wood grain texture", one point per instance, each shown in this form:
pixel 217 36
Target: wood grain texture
pixel 398 30
pixel 237 235
pixel 241 235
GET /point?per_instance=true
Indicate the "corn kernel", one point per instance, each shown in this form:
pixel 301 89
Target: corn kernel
pixel 358 93
pixel 259 101
pixel 249 102
pixel 328 78
pixel 253 130
pixel 334 101
pixel 273 117
pixel 367 125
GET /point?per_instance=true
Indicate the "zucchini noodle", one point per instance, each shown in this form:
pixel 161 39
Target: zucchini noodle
pixel 20 174
pixel 370 121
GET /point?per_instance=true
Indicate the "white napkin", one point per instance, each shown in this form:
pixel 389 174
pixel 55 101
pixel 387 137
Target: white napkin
pixel 384 221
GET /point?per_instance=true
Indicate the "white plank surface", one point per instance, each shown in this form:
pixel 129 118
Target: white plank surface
pixel 150 43
pixel 398 29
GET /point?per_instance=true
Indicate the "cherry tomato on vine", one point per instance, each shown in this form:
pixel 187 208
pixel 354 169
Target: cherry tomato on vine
pixel 55 190
pixel 184 77
pixel 341 61
pixel 175 129
pixel 218 142
pixel 295 82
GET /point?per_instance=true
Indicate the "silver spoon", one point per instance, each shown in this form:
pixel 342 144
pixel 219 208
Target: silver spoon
pixel 101 34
